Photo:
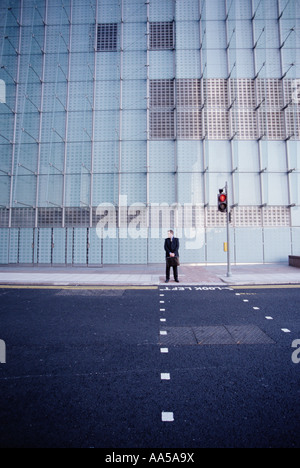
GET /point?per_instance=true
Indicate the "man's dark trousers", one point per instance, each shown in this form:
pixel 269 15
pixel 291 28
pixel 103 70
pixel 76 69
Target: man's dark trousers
pixel 175 272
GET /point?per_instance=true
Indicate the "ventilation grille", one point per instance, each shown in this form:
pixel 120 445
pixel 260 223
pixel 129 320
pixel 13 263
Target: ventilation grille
pixel 162 36
pixel 107 37
pixel 162 125
pixel 156 216
pixel 48 217
pixel 220 109
pixel 23 217
pixel 77 217
pixel 4 217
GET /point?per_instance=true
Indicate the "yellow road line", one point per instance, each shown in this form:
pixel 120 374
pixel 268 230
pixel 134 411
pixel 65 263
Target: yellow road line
pixel 22 286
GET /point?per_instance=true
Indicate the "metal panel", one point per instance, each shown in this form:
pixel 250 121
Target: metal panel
pixel 248 245
pixel 44 246
pixel 110 250
pixel 161 10
pixel 277 244
pixel 4 246
pixel 187 10
pixel 156 252
pixel 59 246
pixel 193 246
pixel 157 162
pixel 132 250
pixel 248 334
pixel 161 65
pixel 69 245
pixel 134 187
pixel 26 245
pixel 95 248
pixel 215 245
pixel 296 241
pixel 13 246
pixel 162 188
pixel 213 335
pixel 80 246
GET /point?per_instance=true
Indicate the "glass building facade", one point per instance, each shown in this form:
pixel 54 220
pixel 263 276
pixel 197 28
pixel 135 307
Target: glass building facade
pixel 120 119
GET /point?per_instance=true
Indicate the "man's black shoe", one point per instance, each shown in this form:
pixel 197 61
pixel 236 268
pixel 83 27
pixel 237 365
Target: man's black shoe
pixel 166 281
pixel 177 281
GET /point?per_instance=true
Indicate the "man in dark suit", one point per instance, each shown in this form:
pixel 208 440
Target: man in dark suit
pixel 171 248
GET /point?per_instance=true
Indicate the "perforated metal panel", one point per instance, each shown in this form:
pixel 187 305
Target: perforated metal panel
pixel 44 246
pixel 77 217
pixel 107 37
pixel 162 125
pixel 59 246
pixel 4 217
pixel 4 246
pixel 162 35
pixel 26 246
pixel 80 246
pixel 49 217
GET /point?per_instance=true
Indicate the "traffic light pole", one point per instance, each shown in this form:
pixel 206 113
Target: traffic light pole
pixel 228 233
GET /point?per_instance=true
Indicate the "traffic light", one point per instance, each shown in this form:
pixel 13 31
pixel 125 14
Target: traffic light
pixel 222 201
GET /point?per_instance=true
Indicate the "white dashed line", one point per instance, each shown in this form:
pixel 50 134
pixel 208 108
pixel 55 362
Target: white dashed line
pixel 164 350
pixel 162 310
pixel 167 416
pixel 161 302
pixel 245 300
pixel 286 330
pixel 165 376
pixel 163 320
pixel 162 332
pixel 269 318
pixel 256 308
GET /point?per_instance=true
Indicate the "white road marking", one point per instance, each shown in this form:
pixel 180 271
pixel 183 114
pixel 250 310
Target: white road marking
pixel 163 320
pixel 161 302
pixel 245 300
pixel 269 318
pixel 256 308
pixel 165 376
pixel 286 330
pixel 167 416
pixel 164 350
pixel 162 332
pixel 162 310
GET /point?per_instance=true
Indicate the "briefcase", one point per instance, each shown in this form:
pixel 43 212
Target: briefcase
pixel 173 261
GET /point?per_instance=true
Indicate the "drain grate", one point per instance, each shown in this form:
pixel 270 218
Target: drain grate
pixel 178 335
pixel 215 335
pixel 248 334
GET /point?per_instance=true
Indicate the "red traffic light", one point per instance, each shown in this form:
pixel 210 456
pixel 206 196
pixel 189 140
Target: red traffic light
pixel 222 202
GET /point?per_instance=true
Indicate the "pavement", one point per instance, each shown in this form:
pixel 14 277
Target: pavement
pixel 149 275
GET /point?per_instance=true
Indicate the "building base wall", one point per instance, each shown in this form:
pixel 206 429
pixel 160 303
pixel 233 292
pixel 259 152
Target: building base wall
pixel 89 247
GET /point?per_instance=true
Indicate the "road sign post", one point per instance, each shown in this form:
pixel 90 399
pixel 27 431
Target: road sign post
pixel 228 233
pixel 223 207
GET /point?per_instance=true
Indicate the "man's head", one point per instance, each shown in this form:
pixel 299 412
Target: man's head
pixel 170 234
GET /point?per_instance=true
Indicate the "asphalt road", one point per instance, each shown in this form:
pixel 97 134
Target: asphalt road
pixel 171 367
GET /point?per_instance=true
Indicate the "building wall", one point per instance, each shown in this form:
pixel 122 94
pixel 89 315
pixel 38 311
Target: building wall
pixel 121 119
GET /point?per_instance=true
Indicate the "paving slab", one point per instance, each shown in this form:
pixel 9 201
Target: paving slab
pixel 151 275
